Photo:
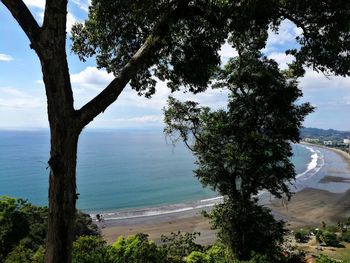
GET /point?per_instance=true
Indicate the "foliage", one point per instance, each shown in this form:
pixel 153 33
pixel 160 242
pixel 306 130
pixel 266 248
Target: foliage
pixel 88 249
pixel 137 249
pixel 198 257
pixel 189 40
pixel 25 255
pixel 219 254
pixel 326 259
pixel 251 140
pixel 84 226
pixel 39 255
pixel 21 223
pixel 180 245
pixel 247 227
pixel 302 235
pixel 23 226
pixel 325 40
pixel 248 143
pixel 345 236
pixel 20 254
pixel 330 239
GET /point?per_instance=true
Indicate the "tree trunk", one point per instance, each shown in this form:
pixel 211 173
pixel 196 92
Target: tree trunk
pixel 62 194
pixel 65 129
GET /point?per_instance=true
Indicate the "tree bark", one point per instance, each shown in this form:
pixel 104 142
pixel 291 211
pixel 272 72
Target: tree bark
pixel 63 154
pixel 64 140
pixel 62 194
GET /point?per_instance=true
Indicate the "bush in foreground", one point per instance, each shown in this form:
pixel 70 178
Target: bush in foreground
pixel 23 228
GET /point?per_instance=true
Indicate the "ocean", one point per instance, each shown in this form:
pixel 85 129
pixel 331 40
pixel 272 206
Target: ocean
pixel 117 170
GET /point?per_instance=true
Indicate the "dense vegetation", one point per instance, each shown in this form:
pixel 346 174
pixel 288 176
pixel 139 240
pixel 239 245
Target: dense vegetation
pixel 23 228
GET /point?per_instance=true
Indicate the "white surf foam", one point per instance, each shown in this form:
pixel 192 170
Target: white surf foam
pixel 315 165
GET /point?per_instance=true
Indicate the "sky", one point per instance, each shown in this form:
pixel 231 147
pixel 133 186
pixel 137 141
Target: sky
pixel 23 101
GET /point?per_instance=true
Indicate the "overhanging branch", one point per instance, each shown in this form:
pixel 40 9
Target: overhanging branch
pixel 140 59
pixel 100 103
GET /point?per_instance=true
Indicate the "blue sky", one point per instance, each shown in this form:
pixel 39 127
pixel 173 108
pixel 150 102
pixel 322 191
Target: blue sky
pixel 23 102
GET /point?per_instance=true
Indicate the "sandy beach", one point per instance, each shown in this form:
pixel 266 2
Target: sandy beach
pixel 308 207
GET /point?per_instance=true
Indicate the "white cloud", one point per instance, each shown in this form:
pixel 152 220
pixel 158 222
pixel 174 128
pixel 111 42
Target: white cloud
pixel 317 80
pixel 227 52
pixel 130 109
pixel 91 81
pixel 71 20
pixel 347 100
pixel 83 4
pixel 16 99
pixel 35 3
pixel 137 120
pixel 287 32
pixel 91 78
pixel 4 57
pixel 40 17
pixel 282 59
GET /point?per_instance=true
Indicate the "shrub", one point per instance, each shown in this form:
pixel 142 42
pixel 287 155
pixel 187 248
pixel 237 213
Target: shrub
pixel 198 257
pixel 247 228
pixel 90 249
pixel 330 239
pixel 219 254
pixel 345 236
pixel 326 259
pixel 180 245
pixel 136 249
pixel 20 254
pixel 22 223
pixel 302 235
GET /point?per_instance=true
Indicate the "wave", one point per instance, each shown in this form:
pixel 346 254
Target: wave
pixel 315 164
pixel 161 210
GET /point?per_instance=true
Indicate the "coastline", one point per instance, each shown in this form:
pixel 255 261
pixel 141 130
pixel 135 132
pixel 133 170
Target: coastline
pixel 344 155
pixel 307 208
pixel 310 206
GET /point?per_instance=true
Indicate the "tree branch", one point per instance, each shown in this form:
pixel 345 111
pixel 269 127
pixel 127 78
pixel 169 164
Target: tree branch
pixel 152 44
pixel 24 18
pixel 140 59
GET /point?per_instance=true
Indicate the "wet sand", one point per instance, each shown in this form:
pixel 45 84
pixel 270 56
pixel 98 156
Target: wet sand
pixel 307 207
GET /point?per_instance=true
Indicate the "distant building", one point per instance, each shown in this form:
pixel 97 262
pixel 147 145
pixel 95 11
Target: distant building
pixel 328 142
pixel 346 141
pixel 311 140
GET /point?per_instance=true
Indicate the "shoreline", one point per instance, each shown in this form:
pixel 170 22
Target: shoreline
pixel 343 154
pixel 307 208
pixel 159 210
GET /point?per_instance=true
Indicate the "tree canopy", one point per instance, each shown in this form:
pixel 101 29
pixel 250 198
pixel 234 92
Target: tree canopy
pixel 244 149
pixel 251 139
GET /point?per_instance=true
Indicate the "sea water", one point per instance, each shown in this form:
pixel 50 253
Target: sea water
pixel 115 169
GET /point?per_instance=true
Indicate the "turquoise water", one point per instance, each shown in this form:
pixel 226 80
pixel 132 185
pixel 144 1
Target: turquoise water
pixel 115 170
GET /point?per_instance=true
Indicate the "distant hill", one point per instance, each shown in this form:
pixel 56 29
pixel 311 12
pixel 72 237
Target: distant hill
pixel 329 134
